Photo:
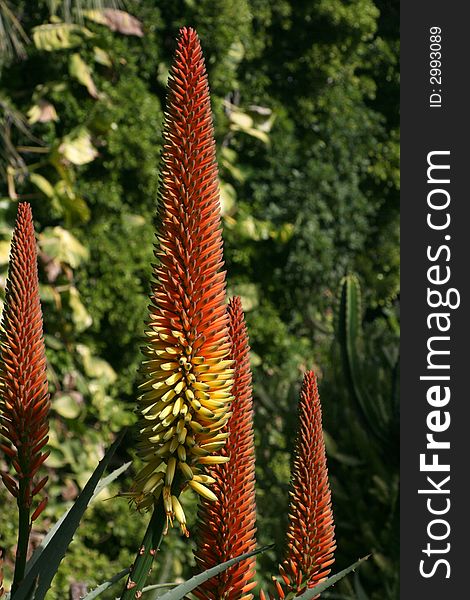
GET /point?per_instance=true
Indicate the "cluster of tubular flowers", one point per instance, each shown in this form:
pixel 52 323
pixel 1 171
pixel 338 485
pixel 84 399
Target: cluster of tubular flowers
pixel 226 528
pixel 310 533
pixel 24 397
pixel 187 373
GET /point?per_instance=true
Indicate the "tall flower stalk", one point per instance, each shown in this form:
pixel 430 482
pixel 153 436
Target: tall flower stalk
pixel 310 533
pixel 24 397
pixel 226 528
pixel 186 375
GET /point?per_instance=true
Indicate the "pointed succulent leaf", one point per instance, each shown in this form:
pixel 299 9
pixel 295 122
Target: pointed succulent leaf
pixel 314 592
pixel 106 585
pixel 104 482
pixel 179 592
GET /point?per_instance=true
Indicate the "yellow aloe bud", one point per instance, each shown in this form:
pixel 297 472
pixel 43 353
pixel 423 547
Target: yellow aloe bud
pixel 213 460
pixel 179 514
pixel 186 470
pixel 170 471
pixel 202 490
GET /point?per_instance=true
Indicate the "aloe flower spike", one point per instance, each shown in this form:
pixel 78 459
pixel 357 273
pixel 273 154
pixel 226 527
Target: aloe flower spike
pixel 310 534
pixel 24 397
pixel 187 373
pixel 227 527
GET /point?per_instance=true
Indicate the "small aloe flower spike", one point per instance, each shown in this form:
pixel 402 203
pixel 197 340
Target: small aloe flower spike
pixel 310 534
pixel 227 527
pixel 187 374
pixel 24 397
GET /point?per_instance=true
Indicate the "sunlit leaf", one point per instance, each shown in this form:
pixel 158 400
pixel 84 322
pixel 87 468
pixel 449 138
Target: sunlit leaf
pixel 82 73
pixel 77 147
pixel 42 184
pixel 60 244
pixel 248 293
pixel 59 36
pixel 66 406
pixel 4 251
pixel 42 112
pixel 102 57
pixel 228 197
pixel 81 317
pixel 95 367
pixel 256 133
pixel 116 20
pixel 242 120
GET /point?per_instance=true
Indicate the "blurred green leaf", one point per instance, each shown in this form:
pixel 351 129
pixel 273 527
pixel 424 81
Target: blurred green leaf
pixel 42 112
pixel 66 406
pixel 80 315
pixel 77 147
pixel 43 184
pixel 80 71
pixel 59 36
pixel 4 251
pixel 248 293
pixel 102 57
pixel 243 121
pixel 116 20
pixel 228 197
pixel 96 367
pixel 60 244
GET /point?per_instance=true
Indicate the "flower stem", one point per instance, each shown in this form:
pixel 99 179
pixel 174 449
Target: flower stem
pixel 148 549
pixel 24 529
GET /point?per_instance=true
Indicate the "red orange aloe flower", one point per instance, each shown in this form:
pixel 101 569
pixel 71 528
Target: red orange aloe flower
pixel 227 527
pixel 310 533
pixel 187 374
pixel 24 397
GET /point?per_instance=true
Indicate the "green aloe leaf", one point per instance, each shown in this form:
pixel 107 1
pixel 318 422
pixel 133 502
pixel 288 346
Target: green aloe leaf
pixel 50 534
pixel 321 587
pixel 106 584
pixel 44 567
pixel 180 591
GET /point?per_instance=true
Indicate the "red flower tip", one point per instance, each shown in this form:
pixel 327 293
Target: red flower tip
pixel 227 527
pixel 24 397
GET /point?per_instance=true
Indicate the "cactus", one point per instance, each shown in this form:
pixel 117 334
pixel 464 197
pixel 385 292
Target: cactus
pixel 377 407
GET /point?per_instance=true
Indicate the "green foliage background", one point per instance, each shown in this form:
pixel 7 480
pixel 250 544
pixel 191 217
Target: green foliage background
pixel 305 97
